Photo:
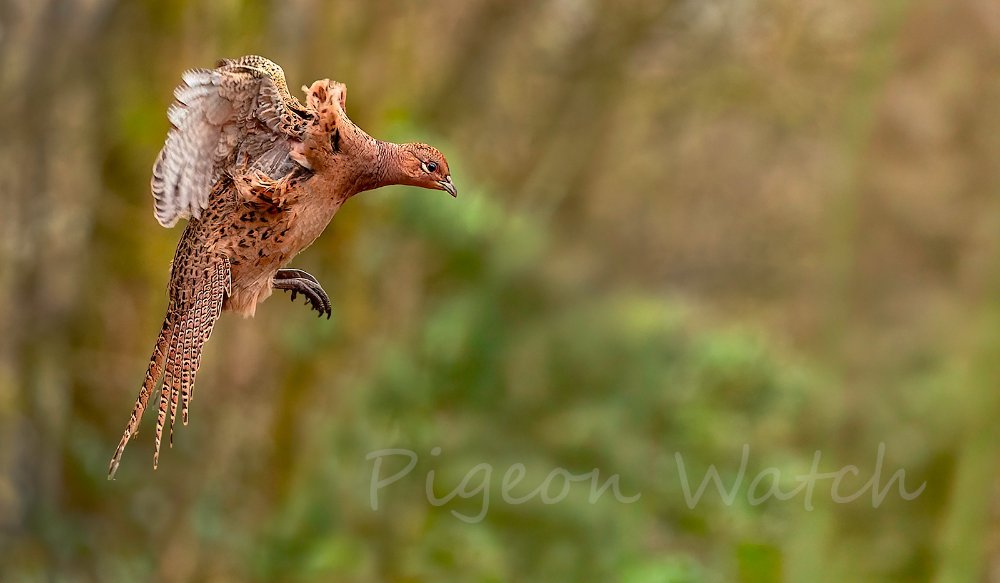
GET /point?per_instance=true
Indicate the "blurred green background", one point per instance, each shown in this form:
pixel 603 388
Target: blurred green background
pixel 685 228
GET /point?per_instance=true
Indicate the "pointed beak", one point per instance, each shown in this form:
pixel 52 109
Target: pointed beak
pixel 448 185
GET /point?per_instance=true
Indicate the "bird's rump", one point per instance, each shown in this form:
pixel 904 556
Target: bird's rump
pixel 239 115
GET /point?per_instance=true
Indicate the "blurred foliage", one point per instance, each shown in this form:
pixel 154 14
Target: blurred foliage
pixel 687 230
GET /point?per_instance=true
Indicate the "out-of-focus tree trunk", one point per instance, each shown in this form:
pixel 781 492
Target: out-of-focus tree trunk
pixel 51 175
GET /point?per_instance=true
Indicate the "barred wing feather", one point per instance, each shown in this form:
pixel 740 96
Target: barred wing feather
pixel 237 115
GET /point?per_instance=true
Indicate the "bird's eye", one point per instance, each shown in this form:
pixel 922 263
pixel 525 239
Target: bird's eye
pixel 430 167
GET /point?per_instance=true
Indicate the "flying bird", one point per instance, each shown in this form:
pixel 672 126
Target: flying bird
pixel 258 176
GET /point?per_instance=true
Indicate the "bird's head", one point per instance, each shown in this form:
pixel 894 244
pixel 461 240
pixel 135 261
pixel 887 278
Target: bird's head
pixel 412 164
pixel 424 166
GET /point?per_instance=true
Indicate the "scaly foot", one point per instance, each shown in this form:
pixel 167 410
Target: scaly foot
pixel 300 282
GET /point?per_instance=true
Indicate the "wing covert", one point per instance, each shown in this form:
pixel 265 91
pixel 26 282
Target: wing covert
pixel 236 115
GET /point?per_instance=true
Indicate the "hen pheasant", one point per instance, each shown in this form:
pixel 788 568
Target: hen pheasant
pixel 259 176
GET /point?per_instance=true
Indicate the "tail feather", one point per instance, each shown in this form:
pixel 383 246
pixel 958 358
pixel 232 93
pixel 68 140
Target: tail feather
pixel 206 312
pixel 153 373
pixel 177 357
pixel 192 349
pixel 180 373
pixel 169 382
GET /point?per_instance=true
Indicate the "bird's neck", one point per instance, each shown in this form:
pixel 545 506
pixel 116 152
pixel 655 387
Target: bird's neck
pixel 383 166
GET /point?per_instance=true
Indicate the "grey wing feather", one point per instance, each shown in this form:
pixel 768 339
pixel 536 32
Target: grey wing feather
pixel 238 114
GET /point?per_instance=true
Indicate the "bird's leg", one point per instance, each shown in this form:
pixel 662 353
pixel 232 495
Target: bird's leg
pixel 300 282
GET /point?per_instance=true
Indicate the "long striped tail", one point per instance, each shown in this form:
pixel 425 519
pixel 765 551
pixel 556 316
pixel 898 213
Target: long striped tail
pixel 177 356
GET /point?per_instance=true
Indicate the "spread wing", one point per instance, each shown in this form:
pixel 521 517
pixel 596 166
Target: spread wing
pixel 237 115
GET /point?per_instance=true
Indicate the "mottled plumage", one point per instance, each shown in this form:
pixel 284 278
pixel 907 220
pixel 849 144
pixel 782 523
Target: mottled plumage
pixel 236 115
pixel 259 176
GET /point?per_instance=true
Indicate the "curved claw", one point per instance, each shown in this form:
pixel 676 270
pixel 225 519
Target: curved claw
pixel 307 285
pixel 293 273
